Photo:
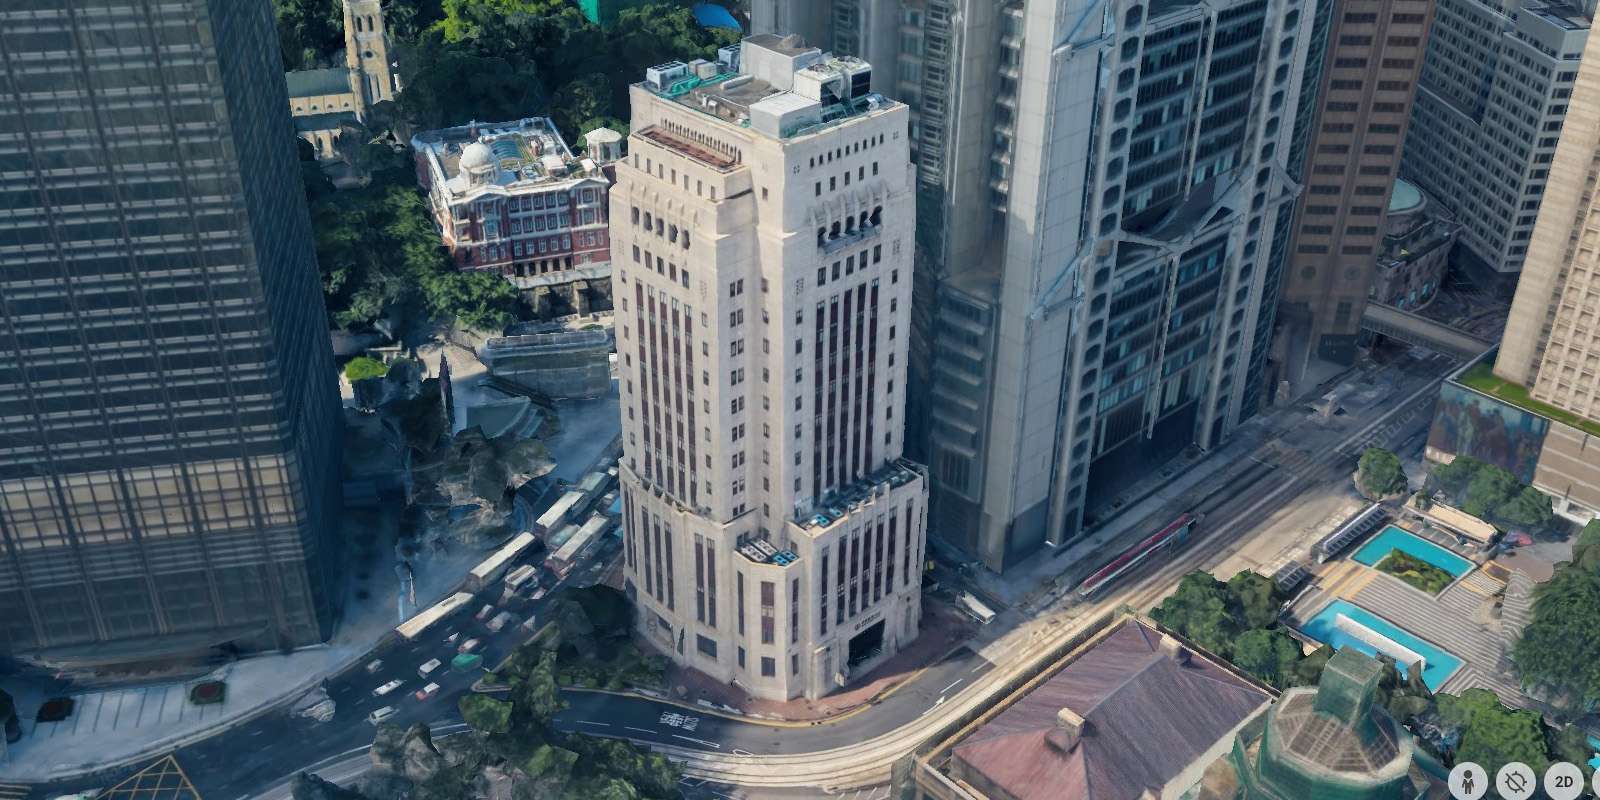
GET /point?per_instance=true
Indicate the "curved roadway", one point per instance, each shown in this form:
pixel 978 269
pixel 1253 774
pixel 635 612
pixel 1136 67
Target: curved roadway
pixel 256 759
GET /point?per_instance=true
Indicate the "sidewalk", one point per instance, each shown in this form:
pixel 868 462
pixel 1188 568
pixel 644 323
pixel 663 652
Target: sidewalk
pixel 1174 489
pixel 942 630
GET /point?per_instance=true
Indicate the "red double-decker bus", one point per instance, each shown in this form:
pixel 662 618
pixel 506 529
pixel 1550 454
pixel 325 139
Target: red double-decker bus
pixel 1133 556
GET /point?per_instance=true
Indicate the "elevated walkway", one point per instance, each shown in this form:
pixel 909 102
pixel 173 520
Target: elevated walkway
pixel 1412 329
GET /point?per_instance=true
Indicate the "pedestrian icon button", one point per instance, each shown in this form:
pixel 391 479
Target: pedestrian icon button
pixel 1468 781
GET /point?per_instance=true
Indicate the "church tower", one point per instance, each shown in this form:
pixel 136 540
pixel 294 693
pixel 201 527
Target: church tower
pixel 366 49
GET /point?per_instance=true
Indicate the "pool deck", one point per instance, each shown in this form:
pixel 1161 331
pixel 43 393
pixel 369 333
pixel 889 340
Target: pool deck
pixel 1455 620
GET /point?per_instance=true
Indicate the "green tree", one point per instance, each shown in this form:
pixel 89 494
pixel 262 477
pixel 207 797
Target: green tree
pixel 1200 610
pixel 536 694
pixel 363 367
pixel 1268 655
pixel 1571 743
pixel 483 301
pixel 1585 554
pixel 1529 508
pixel 1309 671
pixel 1379 473
pixel 1558 647
pixel 1257 599
pixel 310 32
pixel 1454 477
pixel 305 786
pixel 1490 488
pixel 486 714
pixel 450 85
pixel 1493 735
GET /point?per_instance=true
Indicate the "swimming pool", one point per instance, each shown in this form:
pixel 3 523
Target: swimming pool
pixel 1438 665
pixel 1392 538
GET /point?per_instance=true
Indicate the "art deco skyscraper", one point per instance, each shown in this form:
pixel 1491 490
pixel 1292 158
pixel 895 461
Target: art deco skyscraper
pixel 761 228
pixel 1551 345
pixel 169 442
pixel 1098 189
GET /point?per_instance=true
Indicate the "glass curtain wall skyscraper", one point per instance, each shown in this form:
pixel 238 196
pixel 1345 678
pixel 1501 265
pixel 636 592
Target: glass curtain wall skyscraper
pixel 1098 187
pixel 169 437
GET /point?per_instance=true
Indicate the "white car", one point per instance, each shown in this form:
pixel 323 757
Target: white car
pixel 468 646
pixel 451 639
pixel 500 621
pixel 426 669
pixel 374 665
pixel 381 714
pixel 387 688
pixel 427 691
pixel 483 613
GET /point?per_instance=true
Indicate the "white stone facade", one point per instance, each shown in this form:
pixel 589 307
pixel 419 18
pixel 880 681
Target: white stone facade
pixel 762 280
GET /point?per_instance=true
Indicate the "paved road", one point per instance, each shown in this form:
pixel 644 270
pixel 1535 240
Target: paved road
pixel 255 758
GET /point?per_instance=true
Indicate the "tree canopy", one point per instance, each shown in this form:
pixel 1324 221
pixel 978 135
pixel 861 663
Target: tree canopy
pixel 1487 491
pixel 504 59
pixel 1558 647
pixel 382 259
pixel 1492 733
pixel 1201 610
pixel 1379 473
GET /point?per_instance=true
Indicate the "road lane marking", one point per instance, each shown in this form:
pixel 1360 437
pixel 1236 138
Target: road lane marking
pixel 697 741
pixel 641 730
pixel 946 690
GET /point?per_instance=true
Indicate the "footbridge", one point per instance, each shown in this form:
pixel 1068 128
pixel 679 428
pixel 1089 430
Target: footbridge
pixel 1412 329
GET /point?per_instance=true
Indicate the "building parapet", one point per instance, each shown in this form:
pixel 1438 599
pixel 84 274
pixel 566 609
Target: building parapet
pixel 837 504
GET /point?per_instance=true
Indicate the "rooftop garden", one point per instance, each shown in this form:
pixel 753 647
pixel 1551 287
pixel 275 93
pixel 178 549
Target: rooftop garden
pixel 1415 572
pixel 1481 377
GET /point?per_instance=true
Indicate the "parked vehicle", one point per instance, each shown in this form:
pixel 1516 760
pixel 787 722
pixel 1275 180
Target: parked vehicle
pixel 387 688
pixel 374 665
pixel 500 621
pixel 428 668
pixel 427 691
pixel 381 714
pixel 483 613
pixel 468 646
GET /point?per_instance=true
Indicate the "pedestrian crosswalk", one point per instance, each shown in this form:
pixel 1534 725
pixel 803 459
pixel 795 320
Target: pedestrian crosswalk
pixel 14 791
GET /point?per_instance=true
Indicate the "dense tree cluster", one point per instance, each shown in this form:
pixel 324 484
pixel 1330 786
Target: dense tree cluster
pixel 1238 620
pixel 1558 649
pixel 493 60
pixel 461 60
pixel 382 262
pixel 1487 491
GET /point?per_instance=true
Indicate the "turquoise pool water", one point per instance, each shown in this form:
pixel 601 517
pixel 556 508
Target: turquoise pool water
pixel 1439 665
pixel 1392 538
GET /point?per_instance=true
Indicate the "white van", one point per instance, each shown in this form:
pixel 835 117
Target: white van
pixel 381 714
pixel 427 669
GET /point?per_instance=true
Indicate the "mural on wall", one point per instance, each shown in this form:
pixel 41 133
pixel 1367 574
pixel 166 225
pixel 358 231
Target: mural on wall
pixel 1472 424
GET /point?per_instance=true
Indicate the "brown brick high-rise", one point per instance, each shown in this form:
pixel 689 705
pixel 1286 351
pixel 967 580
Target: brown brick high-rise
pixel 1374 55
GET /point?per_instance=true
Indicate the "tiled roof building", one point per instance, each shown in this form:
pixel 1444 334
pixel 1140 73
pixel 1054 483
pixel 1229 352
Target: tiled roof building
pixel 1135 713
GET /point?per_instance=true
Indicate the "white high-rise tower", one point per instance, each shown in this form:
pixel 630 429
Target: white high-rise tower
pixel 761 239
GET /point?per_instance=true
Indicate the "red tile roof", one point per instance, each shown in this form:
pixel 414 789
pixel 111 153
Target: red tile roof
pixel 1147 715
